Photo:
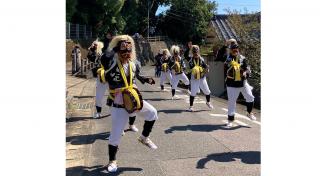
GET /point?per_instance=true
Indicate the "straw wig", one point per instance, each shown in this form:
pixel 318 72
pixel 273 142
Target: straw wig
pixel 115 44
pixel 99 46
pixel 195 48
pixel 175 49
pixel 166 51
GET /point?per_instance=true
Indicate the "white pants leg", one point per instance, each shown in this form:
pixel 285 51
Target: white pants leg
pixel 177 78
pixel 195 85
pixel 148 112
pixel 119 117
pixel 204 86
pixel 247 92
pixel 169 77
pixel 233 93
pixel 100 91
pixel 162 77
pixel 184 79
pixel 175 81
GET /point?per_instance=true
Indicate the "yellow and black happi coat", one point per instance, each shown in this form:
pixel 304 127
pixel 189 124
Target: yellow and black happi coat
pixel 177 64
pixel 198 67
pixel 119 82
pixel 164 64
pixel 236 66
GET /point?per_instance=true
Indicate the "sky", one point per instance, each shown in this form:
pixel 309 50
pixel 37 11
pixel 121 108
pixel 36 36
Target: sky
pixel 250 5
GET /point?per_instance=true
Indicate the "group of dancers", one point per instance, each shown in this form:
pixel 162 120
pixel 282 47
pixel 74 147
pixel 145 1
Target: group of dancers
pixel 118 68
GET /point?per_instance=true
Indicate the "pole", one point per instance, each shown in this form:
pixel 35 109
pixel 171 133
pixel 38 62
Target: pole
pixel 148 21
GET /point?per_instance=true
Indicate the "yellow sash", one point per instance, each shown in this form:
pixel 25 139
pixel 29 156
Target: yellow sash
pixel 127 86
pixel 178 67
pixel 236 68
pixel 196 70
pixel 101 70
pixel 164 67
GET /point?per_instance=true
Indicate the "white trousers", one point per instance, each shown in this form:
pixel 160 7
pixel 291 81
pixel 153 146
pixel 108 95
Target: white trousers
pixel 164 76
pixel 233 94
pixel 100 91
pixel 120 117
pixel 177 78
pixel 199 83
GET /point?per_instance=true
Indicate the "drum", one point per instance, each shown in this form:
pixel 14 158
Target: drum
pixel 132 100
pixel 164 67
pixel 196 71
pixel 177 67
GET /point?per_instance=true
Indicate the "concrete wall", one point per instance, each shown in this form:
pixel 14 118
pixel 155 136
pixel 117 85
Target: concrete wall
pixel 215 78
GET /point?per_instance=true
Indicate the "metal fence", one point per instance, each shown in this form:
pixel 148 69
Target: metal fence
pixel 78 31
pixel 157 38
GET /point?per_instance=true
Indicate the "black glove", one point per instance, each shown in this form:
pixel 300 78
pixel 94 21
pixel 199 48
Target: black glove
pixel 151 81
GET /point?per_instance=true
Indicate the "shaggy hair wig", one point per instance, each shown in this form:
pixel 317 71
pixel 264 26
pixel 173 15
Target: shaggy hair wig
pixel 116 42
pixel 166 51
pixel 195 48
pixel 174 49
pixel 99 46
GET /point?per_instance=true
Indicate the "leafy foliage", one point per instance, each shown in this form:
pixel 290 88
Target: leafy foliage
pixel 187 18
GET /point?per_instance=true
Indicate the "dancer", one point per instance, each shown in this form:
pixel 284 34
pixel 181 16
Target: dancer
pixel 158 63
pixel 198 78
pixel 178 66
pixel 119 72
pixel 165 70
pixel 94 55
pixel 236 81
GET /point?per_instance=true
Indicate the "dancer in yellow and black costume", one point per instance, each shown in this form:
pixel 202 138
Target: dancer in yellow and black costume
pixel 120 73
pixel 177 66
pixel 237 73
pixel 198 77
pixel 165 69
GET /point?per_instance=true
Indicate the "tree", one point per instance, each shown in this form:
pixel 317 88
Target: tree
pixel 187 18
pixel 135 14
pixel 103 15
pixel 70 9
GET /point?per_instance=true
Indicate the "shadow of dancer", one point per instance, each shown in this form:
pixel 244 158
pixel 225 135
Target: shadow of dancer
pixel 248 157
pixel 87 139
pixel 76 119
pixel 202 128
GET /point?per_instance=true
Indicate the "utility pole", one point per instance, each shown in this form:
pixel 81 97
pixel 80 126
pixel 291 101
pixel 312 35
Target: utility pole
pixel 148 20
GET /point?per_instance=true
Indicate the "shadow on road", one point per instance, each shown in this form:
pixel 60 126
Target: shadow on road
pixel 98 170
pixel 76 119
pixel 151 91
pixel 202 128
pixel 169 111
pixel 247 157
pixel 157 99
pixel 87 139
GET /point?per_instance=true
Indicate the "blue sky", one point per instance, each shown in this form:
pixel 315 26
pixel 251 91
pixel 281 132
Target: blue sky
pixel 250 5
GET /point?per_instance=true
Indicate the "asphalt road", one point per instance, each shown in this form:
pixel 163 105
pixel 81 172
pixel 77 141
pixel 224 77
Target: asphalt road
pixel 189 143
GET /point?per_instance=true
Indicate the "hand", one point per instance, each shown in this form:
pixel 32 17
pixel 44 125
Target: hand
pixel 244 74
pixel 151 81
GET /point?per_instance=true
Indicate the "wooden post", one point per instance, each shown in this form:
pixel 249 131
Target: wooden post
pixel 82 63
